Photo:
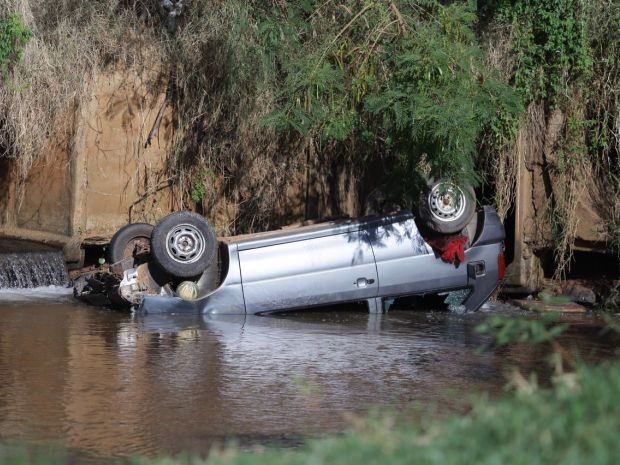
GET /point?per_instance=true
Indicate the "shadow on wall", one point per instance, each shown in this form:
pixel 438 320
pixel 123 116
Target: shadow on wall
pixel 5 189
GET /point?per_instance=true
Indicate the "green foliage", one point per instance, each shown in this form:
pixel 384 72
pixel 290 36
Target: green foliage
pixel 563 425
pixel 401 85
pixel 604 91
pixel 14 35
pixel 550 45
pixel 549 297
pixel 16 454
pixel 405 80
pixel 198 188
pixel 201 184
pixel 567 53
pixel 564 55
pixel 224 83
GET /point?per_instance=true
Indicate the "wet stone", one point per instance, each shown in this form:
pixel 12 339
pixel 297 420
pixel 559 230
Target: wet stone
pixel 580 294
pixel 540 306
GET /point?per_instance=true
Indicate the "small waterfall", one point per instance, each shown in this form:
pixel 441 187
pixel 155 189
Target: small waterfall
pixel 32 269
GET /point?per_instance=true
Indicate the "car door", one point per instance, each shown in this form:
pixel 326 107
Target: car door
pixel 303 273
pixel 406 264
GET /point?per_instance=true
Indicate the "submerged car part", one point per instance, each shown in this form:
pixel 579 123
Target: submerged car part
pixel 140 282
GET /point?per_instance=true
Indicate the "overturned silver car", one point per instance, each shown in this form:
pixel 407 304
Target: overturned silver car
pixel 180 267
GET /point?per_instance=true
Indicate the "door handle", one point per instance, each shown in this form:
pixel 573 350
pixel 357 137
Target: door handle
pixel 363 282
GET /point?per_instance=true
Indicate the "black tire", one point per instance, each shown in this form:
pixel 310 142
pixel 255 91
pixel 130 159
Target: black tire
pixel 446 208
pixel 120 253
pixel 183 244
pixel 210 279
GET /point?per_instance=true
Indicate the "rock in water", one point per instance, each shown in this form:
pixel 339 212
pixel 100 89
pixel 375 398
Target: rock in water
pixel 580 294
pixel 540 306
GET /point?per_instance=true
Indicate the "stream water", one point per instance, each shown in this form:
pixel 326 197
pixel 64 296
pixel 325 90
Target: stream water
pixel 105 384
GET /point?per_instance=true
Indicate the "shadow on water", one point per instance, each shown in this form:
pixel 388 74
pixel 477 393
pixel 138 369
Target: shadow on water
pixel 112 385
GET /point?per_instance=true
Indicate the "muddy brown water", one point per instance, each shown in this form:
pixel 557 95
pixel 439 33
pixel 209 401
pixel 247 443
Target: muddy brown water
pixel 105 384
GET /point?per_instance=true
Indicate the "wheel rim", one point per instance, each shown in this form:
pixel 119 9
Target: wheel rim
pixel 447 202
pixel 141 241
pixel 185 244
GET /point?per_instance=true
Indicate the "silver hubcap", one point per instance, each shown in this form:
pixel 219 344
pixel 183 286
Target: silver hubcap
pixel 185 244
pixel 447 202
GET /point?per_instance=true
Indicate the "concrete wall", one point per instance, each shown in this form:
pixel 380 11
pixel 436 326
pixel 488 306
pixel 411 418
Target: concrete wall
pixel 537 183
pixel 94 174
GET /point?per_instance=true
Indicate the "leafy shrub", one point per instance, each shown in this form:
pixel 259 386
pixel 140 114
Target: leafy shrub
pixel 399 90
pixel 404 81
pixel 14 35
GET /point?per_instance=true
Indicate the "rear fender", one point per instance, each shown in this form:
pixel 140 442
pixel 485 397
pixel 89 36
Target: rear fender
pixel 492 230
pixel 483 260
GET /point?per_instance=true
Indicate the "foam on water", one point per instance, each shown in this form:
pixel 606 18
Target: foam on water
pixel 61 294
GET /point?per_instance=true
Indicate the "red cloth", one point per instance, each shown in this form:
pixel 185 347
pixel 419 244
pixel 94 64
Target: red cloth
pixel 451 248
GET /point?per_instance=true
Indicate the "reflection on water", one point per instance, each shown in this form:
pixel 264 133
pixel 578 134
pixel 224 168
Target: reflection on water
pixel 110 384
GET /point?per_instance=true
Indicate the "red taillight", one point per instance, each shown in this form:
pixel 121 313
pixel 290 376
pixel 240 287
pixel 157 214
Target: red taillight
pixel 501 266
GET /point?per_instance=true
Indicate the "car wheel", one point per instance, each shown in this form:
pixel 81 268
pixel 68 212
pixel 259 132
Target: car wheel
pixel 446 208
pixel 183 244
pixel 124 243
